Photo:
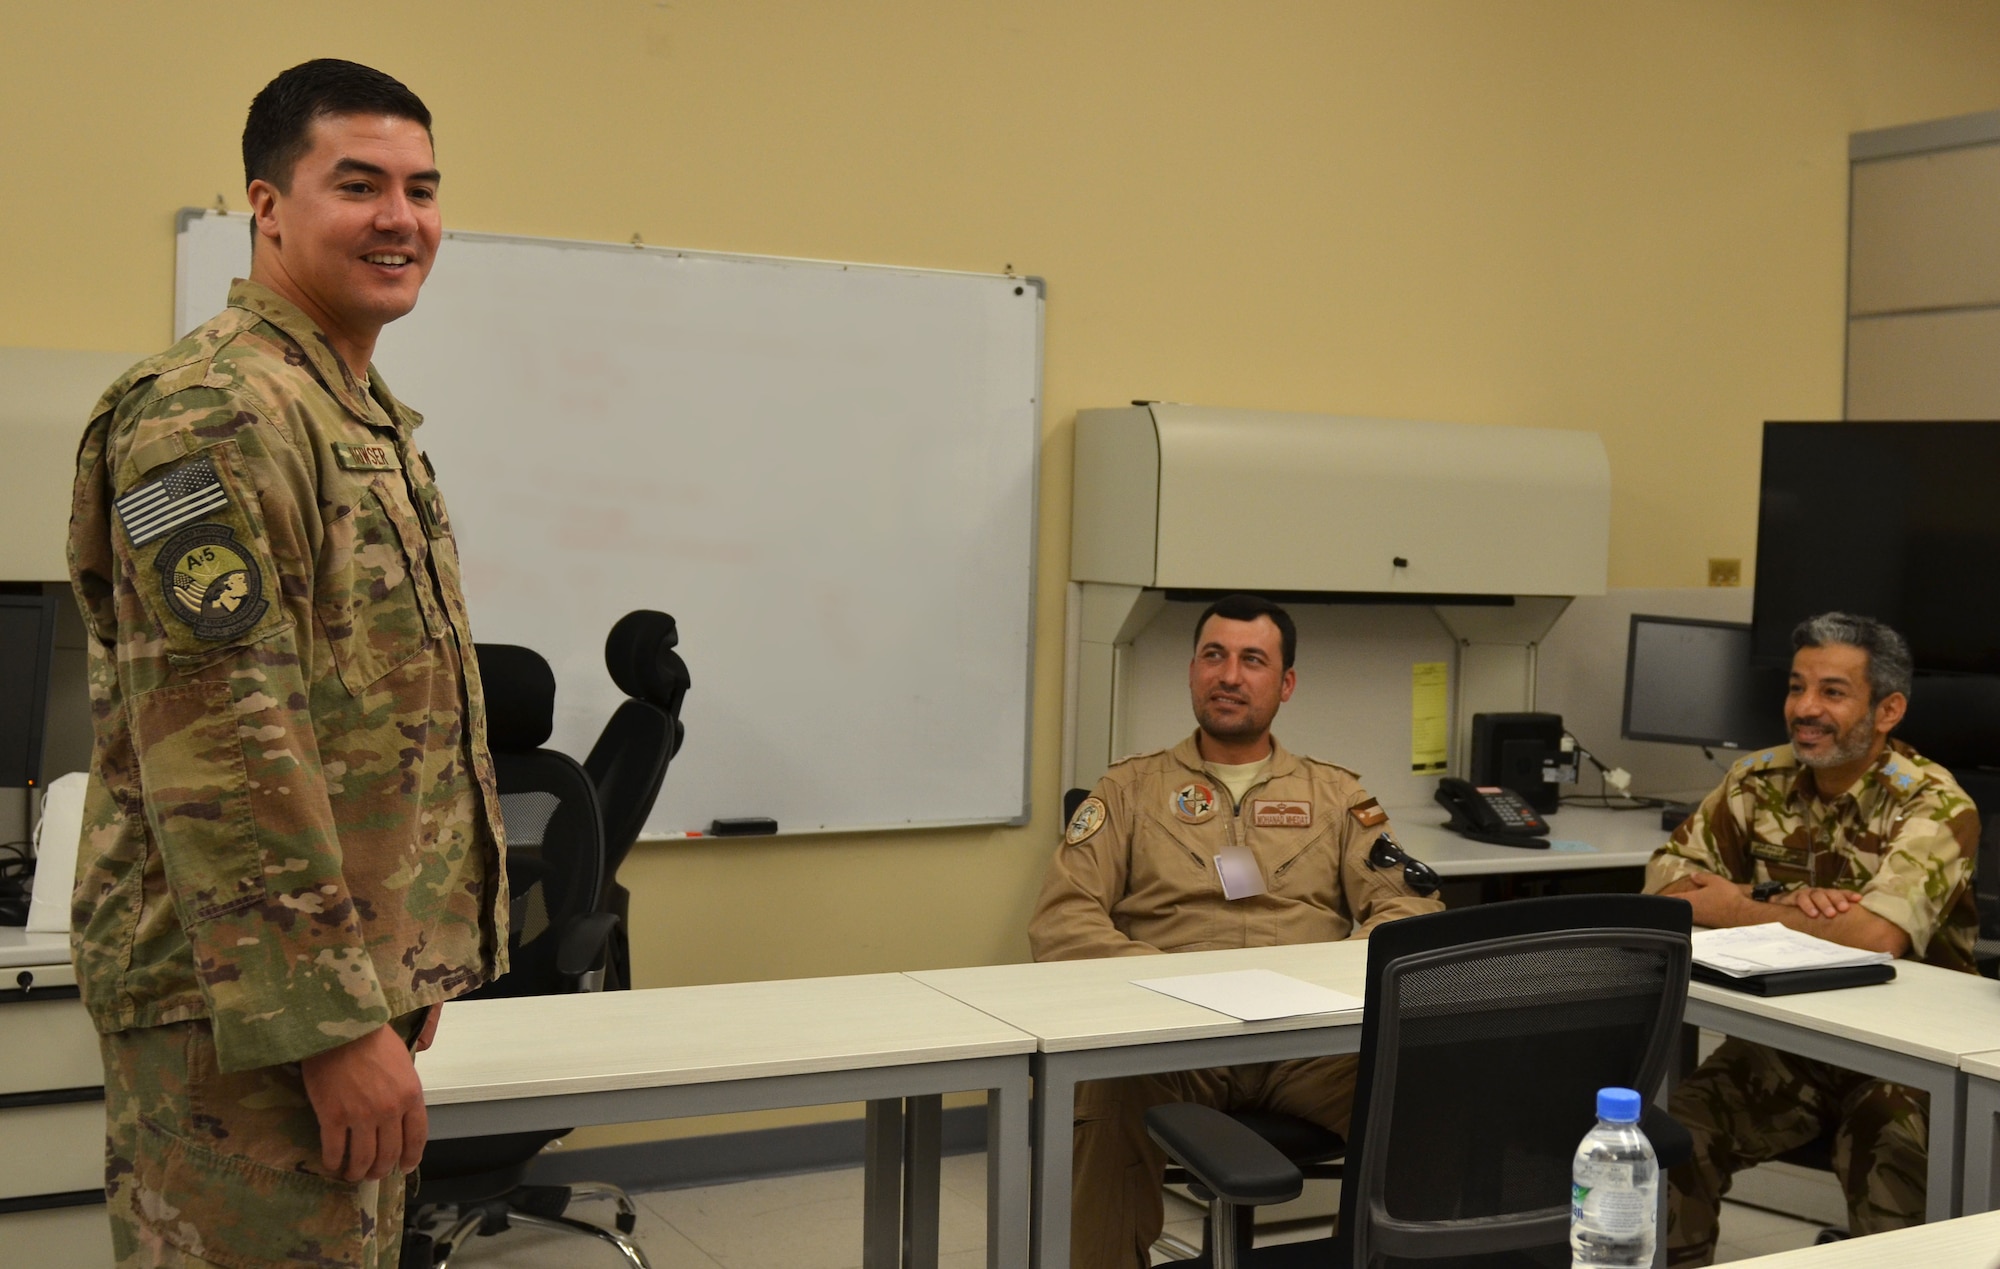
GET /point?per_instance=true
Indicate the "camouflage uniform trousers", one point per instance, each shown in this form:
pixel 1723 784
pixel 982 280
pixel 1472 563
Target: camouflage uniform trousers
pixel 1748 1103
pixel 210 1169
pixel 1116 1210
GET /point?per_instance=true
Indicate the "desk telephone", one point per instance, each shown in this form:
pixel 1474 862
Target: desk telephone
pixel 1490 814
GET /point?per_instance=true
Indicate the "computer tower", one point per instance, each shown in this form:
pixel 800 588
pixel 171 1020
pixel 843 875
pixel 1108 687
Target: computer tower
pixel 1517 751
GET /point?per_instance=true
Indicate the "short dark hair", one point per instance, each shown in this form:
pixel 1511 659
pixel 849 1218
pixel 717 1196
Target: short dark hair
pixel 1889 667
pixel 277 133
pixel 1249 608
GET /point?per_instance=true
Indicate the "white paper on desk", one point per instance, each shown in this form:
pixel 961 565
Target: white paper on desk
pixel 1253 995
pixel 1765 949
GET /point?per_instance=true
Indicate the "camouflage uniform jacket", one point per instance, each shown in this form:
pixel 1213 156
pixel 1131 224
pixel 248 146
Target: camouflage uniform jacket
pixel 1905 837
pixel 291 828
pixel 1136 872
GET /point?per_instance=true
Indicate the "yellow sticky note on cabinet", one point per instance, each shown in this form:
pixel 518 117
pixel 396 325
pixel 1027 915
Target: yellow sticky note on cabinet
pixel 1429 717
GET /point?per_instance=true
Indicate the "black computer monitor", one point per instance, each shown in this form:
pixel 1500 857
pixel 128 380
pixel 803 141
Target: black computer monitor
pixel 1691 682
pixel 27 644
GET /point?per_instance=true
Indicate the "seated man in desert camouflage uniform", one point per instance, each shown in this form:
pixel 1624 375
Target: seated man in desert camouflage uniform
pixel 1850 836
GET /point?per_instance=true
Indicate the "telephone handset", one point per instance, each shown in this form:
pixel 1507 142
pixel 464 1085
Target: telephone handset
pixel 1490 814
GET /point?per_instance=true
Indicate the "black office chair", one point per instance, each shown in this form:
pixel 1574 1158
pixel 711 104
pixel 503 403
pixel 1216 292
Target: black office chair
pixel 1315 1151
pixel 558 938
pixel 629 761
pixel 1488 1032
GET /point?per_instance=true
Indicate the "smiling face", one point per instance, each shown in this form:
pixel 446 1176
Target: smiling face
pixel 352 240
pixel 1238 679
pixel 1834 724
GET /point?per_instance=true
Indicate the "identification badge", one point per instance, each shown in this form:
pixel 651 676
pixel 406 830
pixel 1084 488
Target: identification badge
pixel 1241 877
pixel 1269 813
pixel 372 457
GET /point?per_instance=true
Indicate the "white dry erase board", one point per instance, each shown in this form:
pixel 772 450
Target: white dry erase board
pixel 825 472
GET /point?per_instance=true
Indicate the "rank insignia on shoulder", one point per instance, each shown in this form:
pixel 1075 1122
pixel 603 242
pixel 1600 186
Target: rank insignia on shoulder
pixel 1368 814
pixel 1088 819
pixel 211 582
pixel 1194 803
pixel 373 457
pixel 158 507
pixel 1269 813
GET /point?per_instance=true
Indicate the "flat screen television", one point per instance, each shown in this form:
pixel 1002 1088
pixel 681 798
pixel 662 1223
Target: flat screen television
pixel 1691 682
pixel 1897 521
pixel 27 644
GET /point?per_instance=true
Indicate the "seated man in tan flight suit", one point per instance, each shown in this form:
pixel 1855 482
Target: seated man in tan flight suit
pixel 1225 840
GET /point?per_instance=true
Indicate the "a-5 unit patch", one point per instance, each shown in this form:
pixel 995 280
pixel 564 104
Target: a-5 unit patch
pixel 211 581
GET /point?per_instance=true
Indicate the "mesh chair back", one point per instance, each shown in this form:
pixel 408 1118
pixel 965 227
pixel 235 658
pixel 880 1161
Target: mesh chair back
pixel 1488 1033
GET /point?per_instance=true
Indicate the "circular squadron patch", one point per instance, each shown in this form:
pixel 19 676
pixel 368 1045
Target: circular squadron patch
pixel 1088 819
pixel 1194 803
pixel 210 581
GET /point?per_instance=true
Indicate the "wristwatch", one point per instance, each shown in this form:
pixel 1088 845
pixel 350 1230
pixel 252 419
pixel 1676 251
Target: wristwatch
pixel 1765 891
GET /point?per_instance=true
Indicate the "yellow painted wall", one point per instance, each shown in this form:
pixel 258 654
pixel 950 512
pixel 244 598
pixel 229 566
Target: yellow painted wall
pixel 1620 215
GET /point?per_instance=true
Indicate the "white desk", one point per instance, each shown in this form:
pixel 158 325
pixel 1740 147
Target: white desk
pixel 612 1057
pixel 51 1111
pixel 1913 1031
pixel 1970 1242
pixel 1982 1130
pixel 1092 1023
pixel 1583 837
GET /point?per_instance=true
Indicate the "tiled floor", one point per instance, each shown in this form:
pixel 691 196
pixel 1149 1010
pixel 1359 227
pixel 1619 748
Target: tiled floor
pixel 813 1221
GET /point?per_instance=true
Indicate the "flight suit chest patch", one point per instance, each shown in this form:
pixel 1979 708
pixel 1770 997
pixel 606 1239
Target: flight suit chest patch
pixel 369 457
pixel 1194 803
pixel 1273 813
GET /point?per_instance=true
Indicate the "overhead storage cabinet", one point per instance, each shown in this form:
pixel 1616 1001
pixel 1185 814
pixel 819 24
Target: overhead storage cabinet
pixel 1191 497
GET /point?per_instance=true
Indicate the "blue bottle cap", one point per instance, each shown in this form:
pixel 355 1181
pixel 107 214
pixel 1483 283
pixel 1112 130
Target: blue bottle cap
pixel 1619 1105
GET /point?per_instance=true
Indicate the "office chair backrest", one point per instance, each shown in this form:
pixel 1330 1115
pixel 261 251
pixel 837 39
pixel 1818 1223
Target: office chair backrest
pixel 629 760
pixel 1983 787
pixel 1488 1032
pixel 555 840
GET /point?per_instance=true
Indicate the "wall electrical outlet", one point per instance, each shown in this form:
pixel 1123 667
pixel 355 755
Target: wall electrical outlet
pixel 1725 572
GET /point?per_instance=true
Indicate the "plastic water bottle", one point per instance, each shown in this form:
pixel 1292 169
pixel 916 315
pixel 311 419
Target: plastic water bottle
pixel 1614 1196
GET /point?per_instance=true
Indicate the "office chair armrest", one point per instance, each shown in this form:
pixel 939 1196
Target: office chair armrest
pixel 1673 1144
pixel 1236 1164
pixel 583 944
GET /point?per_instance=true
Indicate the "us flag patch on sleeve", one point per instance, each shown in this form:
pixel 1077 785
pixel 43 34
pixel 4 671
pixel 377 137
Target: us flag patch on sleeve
pixel 180 497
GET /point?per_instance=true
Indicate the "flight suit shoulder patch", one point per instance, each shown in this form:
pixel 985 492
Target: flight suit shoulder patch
pixel 1368 813
pixel 1089 817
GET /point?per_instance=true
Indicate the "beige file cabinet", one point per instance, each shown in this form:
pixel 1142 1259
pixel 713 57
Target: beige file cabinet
pixel 51 1111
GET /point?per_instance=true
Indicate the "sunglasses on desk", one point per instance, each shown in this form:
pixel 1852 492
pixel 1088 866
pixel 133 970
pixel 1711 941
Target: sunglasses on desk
pixel 1385 853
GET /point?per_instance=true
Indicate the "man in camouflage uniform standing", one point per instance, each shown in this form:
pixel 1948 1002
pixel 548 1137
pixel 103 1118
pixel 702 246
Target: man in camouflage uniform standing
pixel 291 840
pixel 1850 836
